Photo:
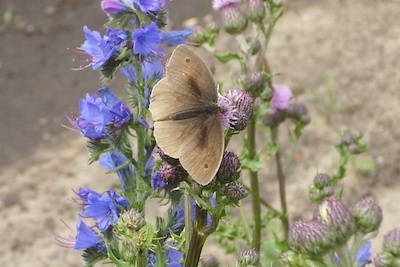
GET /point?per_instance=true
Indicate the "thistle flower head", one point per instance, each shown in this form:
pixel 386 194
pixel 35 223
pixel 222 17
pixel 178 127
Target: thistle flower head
pixel 281 97
pixel 391 242
pixel 229 170
pixel 337 216
pixel 235 191
pixel 233 19
pixel 253 82
pixel 255 10
pixel 368 215
pixel 249 257
pixel 310 237
pixel 239 109
pixel 322 180
pixel 172 175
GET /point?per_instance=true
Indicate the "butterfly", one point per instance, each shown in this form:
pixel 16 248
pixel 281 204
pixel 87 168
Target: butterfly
pixel 187 123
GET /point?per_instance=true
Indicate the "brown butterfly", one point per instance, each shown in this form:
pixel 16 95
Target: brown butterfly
pixel 187 124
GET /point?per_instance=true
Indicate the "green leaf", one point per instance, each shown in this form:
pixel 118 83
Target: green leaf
pixel 224 58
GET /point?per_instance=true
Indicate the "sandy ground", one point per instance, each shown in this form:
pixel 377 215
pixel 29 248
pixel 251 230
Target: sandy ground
pixel 41 163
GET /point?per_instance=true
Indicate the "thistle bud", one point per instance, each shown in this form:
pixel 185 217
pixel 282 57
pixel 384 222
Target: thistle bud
pixel 368 215
pixel 255 10
pixel 274 118
pixel 209 261
pixel 391 242
pixel 229 170
pixel 172 175
pixel 292 259
pixel 322 180
pixel 235 191
pixel 310 237
pixel 249 257
pixel 297 111
pixel 384 259
pixel 233 19
pixel 334 214
pixel 254 83
pixel 255 45
pixel 129 222
pixel 170 160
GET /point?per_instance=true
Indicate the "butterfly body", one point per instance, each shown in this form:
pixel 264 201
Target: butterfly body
pixel 186 117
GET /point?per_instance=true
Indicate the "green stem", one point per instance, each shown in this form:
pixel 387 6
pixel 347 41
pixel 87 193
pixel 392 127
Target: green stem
pixel 197 239
pixel 282 183
pixel 345 257
pixel 255 190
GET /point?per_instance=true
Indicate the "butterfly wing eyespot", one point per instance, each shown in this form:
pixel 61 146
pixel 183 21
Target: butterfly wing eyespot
pixel 185 124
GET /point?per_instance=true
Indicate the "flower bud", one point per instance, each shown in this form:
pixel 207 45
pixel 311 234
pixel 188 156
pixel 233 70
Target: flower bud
pixel 322 180
pixel 391 242
pixel 254 83
pixel 235 191
pixel 209 261
pixel 255 45
pixel 249 257
pixel 384 259
pixel 368 215
pixel 233 19
pixel 297 111
pixel 274 117
pixel 292 259
pixel 172 175
pixel 310 237
pixel 130 221
pixel 166 158
pixel 255 10
pixel 334 214
pixel 113 6
pixel 349 138
pixel 229 170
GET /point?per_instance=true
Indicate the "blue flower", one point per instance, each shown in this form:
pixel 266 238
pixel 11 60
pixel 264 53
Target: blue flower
pixel 87 238
pixel 156 181
pixel 147 94
pixel 102 48
pixel 173 255
pixel 149 70
pixel 175 37
pixel 98 113
pixel 364 254
pixel 149 5
pixel 114 159
pixel 102 208
pixel 113 6
pixel 146 40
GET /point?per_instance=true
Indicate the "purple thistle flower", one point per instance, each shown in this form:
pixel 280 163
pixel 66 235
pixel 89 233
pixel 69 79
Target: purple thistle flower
pixel 146 40
pixel 281 98
pixel 114 159
pixel 113 6
pixel 102 208
pixel 219 4
pixel 97 113
pixel 173 38
pixel 102 48
pixel 87 237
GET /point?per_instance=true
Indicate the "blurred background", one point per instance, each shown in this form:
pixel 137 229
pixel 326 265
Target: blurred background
pixel 340 58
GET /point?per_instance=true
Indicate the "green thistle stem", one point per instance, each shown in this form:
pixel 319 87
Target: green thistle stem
pixel 282 183
pixel 255 190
